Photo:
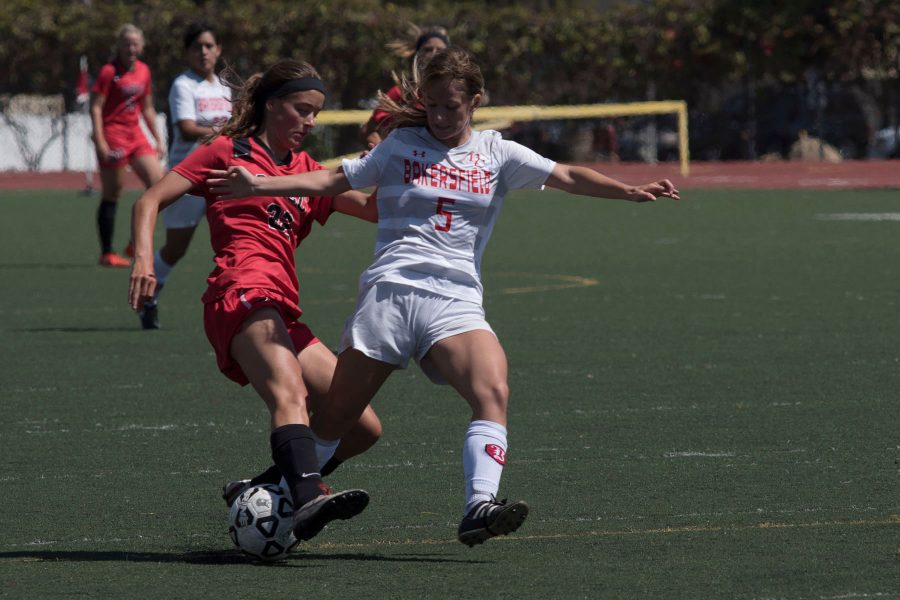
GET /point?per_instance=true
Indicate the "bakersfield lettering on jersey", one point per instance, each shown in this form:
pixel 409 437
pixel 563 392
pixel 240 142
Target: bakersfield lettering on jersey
pixel 475 181
pixel 213 104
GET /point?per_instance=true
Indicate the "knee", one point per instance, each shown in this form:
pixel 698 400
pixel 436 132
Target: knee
pixel 335 422
pixel 171 254
pixel 493 396
pixel 111 191
pixel 370 430
pixel 289 401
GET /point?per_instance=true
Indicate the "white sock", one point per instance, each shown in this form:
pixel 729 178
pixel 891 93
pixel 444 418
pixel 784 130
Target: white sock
pixel 162 270
pixel 484 454
pixel 325 450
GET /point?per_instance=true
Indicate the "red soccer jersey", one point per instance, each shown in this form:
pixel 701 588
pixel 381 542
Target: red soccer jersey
pixel 124 91
pixel 379 115
pixel 254 238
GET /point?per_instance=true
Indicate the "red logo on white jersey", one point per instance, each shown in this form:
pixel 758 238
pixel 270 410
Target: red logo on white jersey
pixel 496 452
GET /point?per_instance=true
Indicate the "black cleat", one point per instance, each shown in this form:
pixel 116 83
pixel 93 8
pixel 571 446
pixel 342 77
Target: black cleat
pixel 150 316
pixel 313 516
pixel 233 489
pixel 490 519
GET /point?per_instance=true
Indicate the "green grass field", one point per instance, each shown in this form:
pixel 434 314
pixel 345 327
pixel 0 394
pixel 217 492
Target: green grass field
pixel 704 405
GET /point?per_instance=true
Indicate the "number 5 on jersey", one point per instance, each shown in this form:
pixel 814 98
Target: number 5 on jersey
pixel 445 213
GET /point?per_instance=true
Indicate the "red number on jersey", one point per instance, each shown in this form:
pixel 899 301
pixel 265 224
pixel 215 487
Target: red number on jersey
pixel 446 213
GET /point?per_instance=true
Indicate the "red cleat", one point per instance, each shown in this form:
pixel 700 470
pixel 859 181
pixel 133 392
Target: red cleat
pixel 129 250
pixel 111 259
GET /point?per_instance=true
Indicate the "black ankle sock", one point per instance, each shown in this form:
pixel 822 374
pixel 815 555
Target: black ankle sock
pixel 330 466
pixel 106 220
pixel 270 475
pixel 294 452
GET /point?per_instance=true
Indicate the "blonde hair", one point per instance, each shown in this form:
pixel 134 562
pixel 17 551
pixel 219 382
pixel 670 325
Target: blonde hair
pixel 248 108
pixel 121 32
pixel 454 63
pixel 127 29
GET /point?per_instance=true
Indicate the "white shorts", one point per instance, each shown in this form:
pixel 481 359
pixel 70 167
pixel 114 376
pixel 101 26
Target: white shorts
pixel 184 213
pixel 395 322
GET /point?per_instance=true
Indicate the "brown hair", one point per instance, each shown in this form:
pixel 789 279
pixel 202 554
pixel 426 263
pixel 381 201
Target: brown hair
pixel 454 63
pixel 405 47
pixel 249 97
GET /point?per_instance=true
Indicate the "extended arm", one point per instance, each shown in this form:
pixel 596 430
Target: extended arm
pixel 170 188
pixel 190 131
pixel 237 182
pixel 356 204
pixel 587 182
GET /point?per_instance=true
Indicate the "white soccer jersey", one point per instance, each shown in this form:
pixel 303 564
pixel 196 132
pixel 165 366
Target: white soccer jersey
pixel 193 98
pixel 437 206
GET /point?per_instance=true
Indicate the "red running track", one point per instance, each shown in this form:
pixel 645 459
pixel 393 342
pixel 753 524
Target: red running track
pixel 851 174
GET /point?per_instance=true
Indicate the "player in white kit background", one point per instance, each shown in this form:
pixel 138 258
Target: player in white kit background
pixel 199 103
pixel 441 185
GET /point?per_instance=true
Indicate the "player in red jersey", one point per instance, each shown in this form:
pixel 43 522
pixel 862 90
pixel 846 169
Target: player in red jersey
pixel 250 305
pixel 419 44
pixel 120 96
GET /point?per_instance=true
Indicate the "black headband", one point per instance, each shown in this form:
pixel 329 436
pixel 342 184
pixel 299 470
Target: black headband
pixel 429 36
pixel 295 85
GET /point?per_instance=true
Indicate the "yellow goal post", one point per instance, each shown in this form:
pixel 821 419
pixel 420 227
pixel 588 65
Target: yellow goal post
pixel 499 117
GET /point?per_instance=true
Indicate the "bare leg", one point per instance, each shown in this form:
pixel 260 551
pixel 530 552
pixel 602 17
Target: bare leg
pixel 264 349
pixel 147 168
pixel 475 365
pixel 111 181
pixel 318 364
pixel 357 378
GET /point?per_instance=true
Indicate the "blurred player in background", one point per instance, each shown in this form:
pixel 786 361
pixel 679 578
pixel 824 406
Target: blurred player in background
pixel 199 104
pixel 250 305
pixel 419 44
pixel 440 189
pixel 120 96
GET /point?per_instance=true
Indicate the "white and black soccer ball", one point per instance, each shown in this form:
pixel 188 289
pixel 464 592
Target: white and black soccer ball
pixel 260 522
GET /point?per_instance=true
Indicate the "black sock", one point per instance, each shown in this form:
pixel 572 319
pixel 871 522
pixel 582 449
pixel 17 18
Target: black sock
pixel 271 475
pixel 330 466
pixel 294 452
pixel 106 220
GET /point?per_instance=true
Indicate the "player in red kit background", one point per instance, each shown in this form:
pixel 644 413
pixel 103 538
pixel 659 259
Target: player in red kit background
pixel 419 44
pixel 120 96
pixel 251 303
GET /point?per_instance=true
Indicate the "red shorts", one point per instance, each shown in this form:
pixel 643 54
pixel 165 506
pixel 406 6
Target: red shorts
pixel 222 319
pixel 123 146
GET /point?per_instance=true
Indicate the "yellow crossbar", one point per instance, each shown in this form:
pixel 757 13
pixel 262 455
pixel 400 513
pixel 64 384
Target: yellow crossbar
pixel 505 114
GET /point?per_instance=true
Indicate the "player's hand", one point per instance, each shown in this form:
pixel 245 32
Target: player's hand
pixel 102 153
pixel 649 192
pixel 236 182
pixel 141 285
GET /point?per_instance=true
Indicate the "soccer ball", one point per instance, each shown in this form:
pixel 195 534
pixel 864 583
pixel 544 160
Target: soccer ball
pixel 260 522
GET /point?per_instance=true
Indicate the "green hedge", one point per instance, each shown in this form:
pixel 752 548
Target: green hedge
pixel 565 54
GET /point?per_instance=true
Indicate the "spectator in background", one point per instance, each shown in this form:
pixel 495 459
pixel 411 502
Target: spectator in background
pixel 199 103
pixel 120 96
pixel 419 44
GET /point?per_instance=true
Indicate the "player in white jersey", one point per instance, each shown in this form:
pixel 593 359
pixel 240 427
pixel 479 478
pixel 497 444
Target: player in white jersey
pixel 199 103
pixel 440 188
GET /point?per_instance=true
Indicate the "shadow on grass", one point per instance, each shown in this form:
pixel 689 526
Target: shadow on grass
pixel 218 557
